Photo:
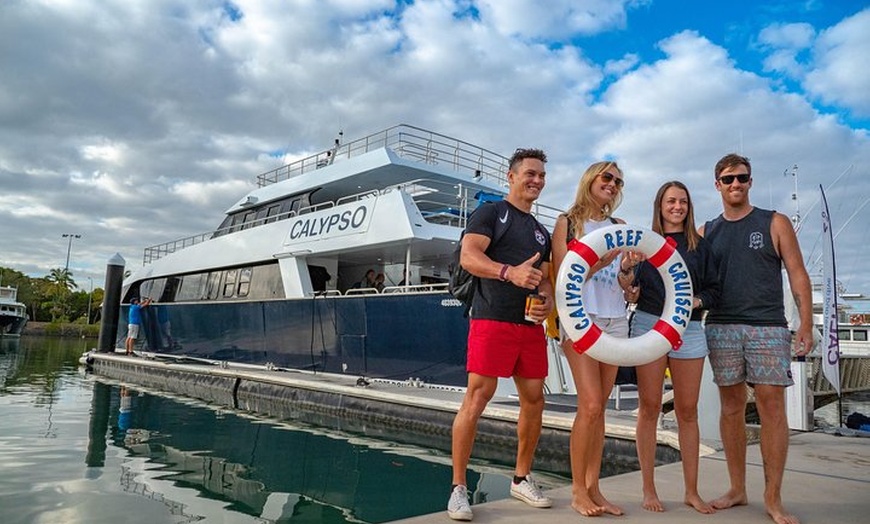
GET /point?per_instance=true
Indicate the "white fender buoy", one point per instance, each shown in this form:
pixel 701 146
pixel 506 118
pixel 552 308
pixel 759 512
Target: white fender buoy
pixel 587 337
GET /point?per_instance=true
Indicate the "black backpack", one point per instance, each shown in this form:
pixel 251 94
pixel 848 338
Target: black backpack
pixel 462 284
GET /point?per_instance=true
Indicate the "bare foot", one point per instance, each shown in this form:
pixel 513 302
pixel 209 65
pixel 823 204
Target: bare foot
pixel 651 502
pixel 583 505
pixel 698 503
pixel 730 499
pixel 778 514
pixel 608 506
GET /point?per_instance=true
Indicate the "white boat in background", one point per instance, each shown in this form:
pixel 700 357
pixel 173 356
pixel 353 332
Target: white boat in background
pixel 853 324
pixel 276 283
pixel 13 314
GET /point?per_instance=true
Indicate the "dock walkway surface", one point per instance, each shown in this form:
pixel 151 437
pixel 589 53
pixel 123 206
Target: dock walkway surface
pixel 827 477
pixel 827 480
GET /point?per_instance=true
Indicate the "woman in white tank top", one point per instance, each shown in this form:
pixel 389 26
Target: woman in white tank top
pixel 599 193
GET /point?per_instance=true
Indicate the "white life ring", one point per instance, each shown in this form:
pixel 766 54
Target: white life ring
pixel 587 337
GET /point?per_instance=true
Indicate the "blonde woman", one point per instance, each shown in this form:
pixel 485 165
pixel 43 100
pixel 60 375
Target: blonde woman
pixel 599 193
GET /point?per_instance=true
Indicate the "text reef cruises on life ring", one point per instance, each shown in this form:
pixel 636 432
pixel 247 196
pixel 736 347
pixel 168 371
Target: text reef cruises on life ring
pixel 574 272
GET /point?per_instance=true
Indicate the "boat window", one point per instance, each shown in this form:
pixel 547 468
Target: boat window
pixel 238 218
pixel 844 334
pixel 156 292
pixel 291 207
pixel 266 282
pixel 244 281
pixel 213 286
pixel 146 289
pixel 261 213
pixel 191 288
pixel 249 219
pixel 170 288
pixel 859 335
pixel 272 212
pixel 230 282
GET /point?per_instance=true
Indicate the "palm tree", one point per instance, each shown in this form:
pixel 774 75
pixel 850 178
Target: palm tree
pixel 63 284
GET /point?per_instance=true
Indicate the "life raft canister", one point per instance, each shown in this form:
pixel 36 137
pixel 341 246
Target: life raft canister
pixel 587 337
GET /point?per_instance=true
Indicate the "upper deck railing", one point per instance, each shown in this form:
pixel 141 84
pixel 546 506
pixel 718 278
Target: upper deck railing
pixel 408 142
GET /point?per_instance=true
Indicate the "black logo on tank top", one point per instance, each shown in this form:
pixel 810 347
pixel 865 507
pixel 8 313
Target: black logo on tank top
pixel 756 240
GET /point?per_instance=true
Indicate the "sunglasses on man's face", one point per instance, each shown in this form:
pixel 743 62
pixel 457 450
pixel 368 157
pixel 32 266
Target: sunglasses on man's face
pixel 610 177
pixel 729 179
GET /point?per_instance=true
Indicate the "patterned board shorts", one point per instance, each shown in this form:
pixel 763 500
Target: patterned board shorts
pixel 751 354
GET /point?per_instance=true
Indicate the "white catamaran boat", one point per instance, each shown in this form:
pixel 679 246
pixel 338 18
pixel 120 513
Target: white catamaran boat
pixel 277 282
pixel 13 314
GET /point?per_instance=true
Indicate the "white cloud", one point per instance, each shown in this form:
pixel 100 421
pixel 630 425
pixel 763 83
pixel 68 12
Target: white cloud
pixel 789 36
pixel 622 65
pixel 105 152
pixel 840 75
pixel 555 19
pixel 135 123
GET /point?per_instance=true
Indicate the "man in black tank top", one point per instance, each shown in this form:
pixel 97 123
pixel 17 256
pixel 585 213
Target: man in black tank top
pixel 747 331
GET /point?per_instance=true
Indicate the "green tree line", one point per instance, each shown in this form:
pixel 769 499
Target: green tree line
pixel 56 297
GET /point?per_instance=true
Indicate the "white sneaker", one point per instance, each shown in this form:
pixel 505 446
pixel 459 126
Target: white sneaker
pixel 458 507
pixel 529 492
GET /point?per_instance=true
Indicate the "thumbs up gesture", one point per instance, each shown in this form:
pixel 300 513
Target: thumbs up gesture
pixel 526 275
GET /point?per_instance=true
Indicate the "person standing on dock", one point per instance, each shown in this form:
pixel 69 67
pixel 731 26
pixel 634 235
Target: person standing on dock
pixel 134 319
pixel 503 339
pixel 599 193
pixel 747 332
pixel 673 217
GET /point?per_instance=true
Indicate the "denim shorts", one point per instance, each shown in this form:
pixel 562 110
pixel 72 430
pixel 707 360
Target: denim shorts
pixel 613 326
pixel 694 339
pixel 751 354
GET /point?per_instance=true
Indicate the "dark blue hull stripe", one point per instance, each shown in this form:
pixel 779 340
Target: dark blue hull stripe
pixel 393 336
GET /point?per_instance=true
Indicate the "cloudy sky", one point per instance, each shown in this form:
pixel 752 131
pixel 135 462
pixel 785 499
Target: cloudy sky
pixel 135 122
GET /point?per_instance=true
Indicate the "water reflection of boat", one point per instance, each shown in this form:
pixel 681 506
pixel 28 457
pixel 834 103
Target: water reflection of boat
pixel 196 459
pixel 277 282
pixel 13 314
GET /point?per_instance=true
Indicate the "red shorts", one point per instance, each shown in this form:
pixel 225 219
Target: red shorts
pixel 505 349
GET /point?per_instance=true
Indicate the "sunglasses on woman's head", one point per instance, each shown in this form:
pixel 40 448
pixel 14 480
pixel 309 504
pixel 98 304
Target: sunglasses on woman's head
pixel 610 177
pixel 729 179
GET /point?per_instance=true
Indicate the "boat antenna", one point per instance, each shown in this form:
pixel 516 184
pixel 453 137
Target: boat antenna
pixel 796 218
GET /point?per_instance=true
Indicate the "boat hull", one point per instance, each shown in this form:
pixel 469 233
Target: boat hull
pixel 12 325
pixel 397 336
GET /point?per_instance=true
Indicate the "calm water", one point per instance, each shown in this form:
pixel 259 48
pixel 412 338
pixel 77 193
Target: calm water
pixel 77 449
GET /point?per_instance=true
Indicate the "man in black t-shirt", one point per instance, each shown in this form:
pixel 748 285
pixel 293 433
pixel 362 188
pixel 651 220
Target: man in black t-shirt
pixel 501 342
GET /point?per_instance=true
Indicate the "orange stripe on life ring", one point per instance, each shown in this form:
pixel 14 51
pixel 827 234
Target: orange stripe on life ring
pixel 669 333
pixel 588 339
pixel 586 253
pixel 664 253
